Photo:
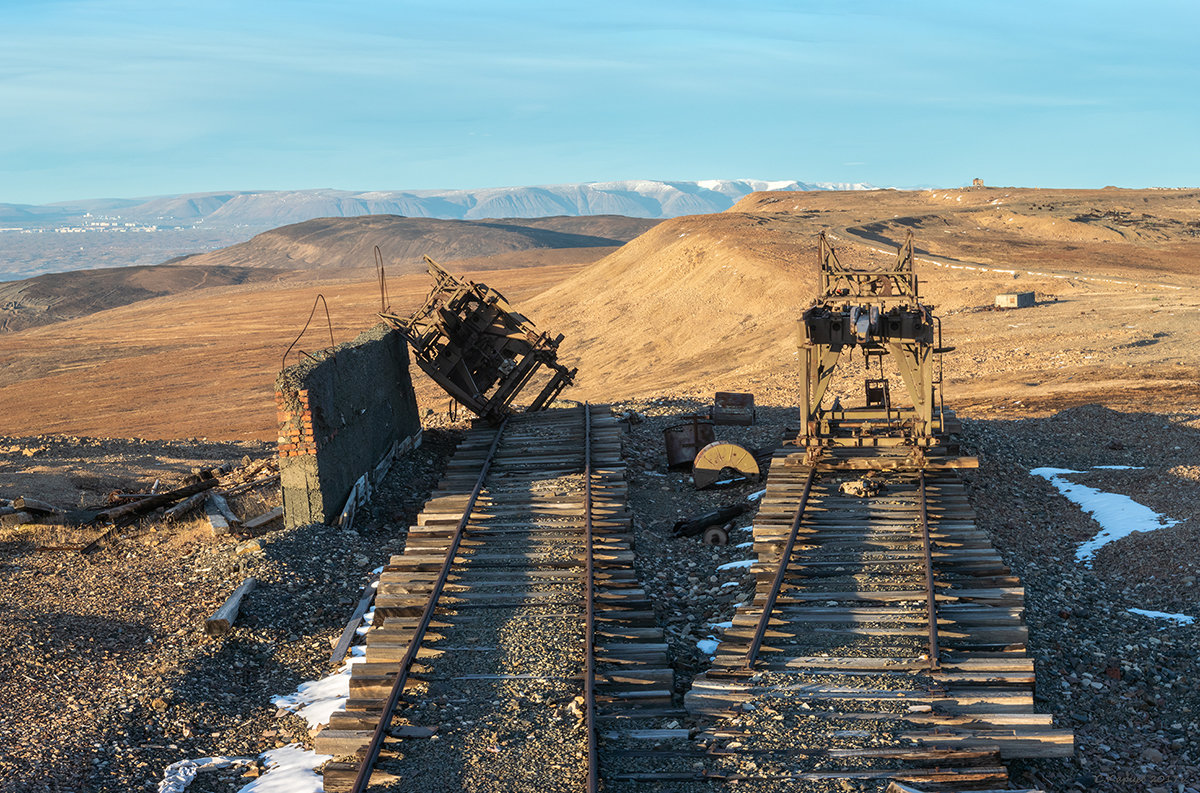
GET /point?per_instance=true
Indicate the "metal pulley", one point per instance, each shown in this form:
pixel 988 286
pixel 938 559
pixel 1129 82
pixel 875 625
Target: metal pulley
pixel 717 460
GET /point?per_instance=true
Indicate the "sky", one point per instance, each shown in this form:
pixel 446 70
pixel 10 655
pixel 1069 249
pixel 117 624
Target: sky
pixel 123 98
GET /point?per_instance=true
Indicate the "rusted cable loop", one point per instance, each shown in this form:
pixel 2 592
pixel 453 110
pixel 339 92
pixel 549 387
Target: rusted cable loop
pixel 311 314
pixel 384 303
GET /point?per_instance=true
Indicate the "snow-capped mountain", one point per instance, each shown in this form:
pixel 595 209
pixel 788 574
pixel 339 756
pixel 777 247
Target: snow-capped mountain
pixel 646 198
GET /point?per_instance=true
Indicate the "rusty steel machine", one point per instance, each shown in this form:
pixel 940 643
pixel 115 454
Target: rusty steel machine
pixel 878 311
pixel 469 339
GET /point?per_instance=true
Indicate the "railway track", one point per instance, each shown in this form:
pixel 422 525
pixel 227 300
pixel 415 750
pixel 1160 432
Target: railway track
pixel 511 625
pixel 513 648
pixel 885 642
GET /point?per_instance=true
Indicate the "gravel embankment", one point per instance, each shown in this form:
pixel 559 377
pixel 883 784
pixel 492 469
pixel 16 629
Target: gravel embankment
pixel 106 674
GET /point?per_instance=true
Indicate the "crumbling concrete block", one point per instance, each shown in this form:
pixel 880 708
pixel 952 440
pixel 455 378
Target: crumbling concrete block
pixel 339 417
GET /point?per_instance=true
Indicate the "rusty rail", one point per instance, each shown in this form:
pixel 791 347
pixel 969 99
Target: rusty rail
pixel 780 572
pixel 589 584
pixel 930 592
pixel 410 655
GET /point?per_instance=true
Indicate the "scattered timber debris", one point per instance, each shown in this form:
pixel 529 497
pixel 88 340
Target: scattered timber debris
pixel 11 520
pixel 473 344
pixel 185 506
pixel 33 505
pixel 221 622
pixel 255 523
pixel 205 487
pixel 220 516
pixel 125 513
pixel 349 632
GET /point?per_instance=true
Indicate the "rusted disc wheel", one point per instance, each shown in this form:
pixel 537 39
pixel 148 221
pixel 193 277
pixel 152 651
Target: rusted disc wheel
pixel 716 535
pixel 715 462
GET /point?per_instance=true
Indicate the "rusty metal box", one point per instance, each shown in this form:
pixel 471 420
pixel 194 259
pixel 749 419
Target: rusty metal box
pixel 730 407
pixel 1015 300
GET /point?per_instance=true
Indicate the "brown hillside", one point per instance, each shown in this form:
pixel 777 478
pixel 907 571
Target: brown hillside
pixel 200 363
pixel 342 243
pixel 59 296
pixel 696 294
pixel 710 302
pixel 696 304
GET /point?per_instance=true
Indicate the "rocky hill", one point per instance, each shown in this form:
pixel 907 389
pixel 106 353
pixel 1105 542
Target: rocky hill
pixel 334 243
pixel 328 245
pixel 59 296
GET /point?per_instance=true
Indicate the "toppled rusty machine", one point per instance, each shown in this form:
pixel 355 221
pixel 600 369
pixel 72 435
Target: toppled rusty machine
pixel 878 311
pixel 474 345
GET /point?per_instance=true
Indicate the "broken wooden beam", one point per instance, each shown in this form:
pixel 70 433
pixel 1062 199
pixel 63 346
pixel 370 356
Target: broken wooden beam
pixel 693 526
pixel 33 505
pixel 14 519
pixel 221 622
pixel 263 519
pixel 351 629
pixel 221 505
pixel 187 505
pixel 262 480
pixel 142 506
pixel 216 518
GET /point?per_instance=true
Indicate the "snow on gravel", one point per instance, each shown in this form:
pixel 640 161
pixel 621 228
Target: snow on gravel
pixel 737 564
pixel 179 775
pixel 290 769
pixel 1118 515
pixel 1181 619
pixel 316 700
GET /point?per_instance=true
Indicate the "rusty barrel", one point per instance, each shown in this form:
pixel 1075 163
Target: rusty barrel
pixel 685 439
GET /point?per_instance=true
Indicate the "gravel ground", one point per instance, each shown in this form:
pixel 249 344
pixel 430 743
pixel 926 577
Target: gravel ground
pixel 1125 683
pixel 107 676
pixel 106 673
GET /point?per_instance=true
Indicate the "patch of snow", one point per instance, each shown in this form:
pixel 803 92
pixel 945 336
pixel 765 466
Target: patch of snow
pixel 1182 619
pixel 1118 515
pixel 757 495
pixel 316 700
pixel 736 565
pixel 365 622
pixel 747 544
pixel 729 583
pixel 726 625
pixel 707 646
pixel 290 769
pixel 179 775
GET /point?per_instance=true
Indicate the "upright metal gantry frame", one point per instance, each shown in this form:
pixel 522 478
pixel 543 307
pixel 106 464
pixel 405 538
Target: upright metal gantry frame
pixel 879 311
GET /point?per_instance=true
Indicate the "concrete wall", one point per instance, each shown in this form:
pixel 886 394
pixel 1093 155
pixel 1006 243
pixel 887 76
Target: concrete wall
pixel 339 418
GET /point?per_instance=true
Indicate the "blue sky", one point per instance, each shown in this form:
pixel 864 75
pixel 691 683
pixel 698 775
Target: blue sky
pixel 129 98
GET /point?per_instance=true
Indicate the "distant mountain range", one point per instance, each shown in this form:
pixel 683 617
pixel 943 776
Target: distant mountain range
pixel 643 198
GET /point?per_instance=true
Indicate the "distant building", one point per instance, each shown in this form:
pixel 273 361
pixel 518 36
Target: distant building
pixel 1016 300
pixel 976 182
